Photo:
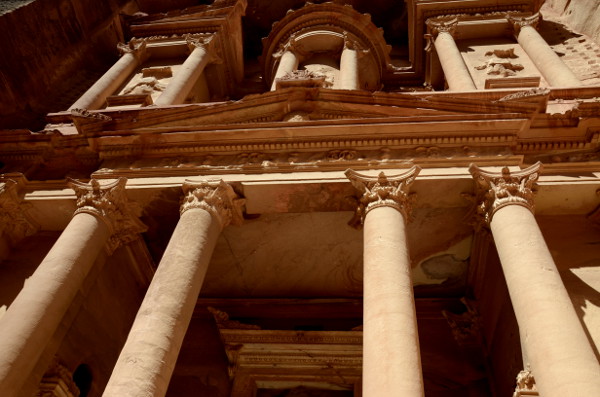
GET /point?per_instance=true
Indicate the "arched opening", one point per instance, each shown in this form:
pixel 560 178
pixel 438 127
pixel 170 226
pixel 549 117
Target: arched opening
pixel 83 379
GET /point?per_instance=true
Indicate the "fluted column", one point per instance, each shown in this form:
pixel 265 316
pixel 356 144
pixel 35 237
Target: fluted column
pixel 189 73
pixel 102 219
pixel 560 355
pixel 15 223
pixel 454 67
pixel 554 70
pixel 132 56
pixel 391 357
pixel 148 358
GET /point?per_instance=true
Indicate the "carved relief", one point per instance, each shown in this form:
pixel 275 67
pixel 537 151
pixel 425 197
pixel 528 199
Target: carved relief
pixel 465 326
pixel 305 78
pixel 442 25
pixel 499 190
pixel 15 223
pixel 525 384
pixel 223 321
pixel 109 203
pixel 57 382
pixel 146 86
pixel 216 197
pixel 84 113
pixel 382 191
pixel 500 63
pixel 518 22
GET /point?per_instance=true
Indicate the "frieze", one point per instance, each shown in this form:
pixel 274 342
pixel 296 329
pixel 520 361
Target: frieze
pixel 216 197
pixel 382 191
pixel 109 203
pixel 497 190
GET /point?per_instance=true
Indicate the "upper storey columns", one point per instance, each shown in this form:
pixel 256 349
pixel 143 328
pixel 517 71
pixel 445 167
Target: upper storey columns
pixel 556 73
pixel 191 70
pixel 391 357
pixel 148 358
pixel 102 219
pixel 289 59
pixel 95 97
pixel 15 224
pixel 349 64
pixel 454 67
pixel 561 357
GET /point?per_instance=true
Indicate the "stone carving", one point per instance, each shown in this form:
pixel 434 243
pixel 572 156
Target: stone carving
pixel 57 382
pixel 442 25
pixel 518 22
pixel 216 197
pixel 198 41
pixel 382 191
pixel 525 384
pixel 15 223
pixel 336 155
pixel 146 86
pixel 500 63
pixel 499 190
pixel 135 47
pixel 109 203
pixel 465 326
pixel 84 113
pixel 223 321
pixel 525 94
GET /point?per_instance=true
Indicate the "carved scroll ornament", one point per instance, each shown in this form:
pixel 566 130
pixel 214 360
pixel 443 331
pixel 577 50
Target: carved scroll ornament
pixel 382 191
pixel 518 22
pixel 109 203
pixel 15 223
pixel 216 197
pixel 442 25
pixel 497 190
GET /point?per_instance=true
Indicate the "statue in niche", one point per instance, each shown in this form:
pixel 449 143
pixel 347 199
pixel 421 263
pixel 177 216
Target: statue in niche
pixel 499 64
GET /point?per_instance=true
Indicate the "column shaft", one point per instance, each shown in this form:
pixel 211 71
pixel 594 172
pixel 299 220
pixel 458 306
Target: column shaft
pixel 187 76
pixel 391 358
pixel 554 70
pixel 287 64
pixel 148 358
pixel 560 354
pixel 37 311
pixel 456 71
pixel 95 96
pixel 349 76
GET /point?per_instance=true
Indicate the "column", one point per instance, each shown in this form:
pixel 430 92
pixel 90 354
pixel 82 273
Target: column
pixel 148 358
pixel 189 73
pixel 101 220
pixel 454 67
pixel 288 61
pixel 556 73
pixel 15 223
pixel 391 357
pixel 95 97
pixel 349 68
pixel 560 355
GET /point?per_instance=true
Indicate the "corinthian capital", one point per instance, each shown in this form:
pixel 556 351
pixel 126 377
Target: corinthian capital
pixel 216 197
pixel 382 191
pixel 15 223
pixel 109 203
pixel 136 47
pixel 445 25
pixel 518 22
pixel 497 190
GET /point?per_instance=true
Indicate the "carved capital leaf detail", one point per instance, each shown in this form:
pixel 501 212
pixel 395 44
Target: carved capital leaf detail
pixel 442 25
pixel 525 384
pixel 109 203
pixel 136 47
pixel 382 191
pixel 15 223
pixel 216 197
pixel 518 22
pixel 497 190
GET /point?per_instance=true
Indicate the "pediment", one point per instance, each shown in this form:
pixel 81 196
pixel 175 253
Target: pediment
pixel 306 106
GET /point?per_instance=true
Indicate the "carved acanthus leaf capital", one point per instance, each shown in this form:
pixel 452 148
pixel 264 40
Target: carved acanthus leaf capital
pixel 518 22
pixel 497 190
pixel 442 25
pixel 352 43
pixel 216 197
pixel 293 46
pixel 15 223
pixel 136 47
pixel 525 384
pixel 109 203
pixel 383 191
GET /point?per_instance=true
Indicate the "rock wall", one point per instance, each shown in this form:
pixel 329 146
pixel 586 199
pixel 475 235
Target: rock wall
pixel 580 15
